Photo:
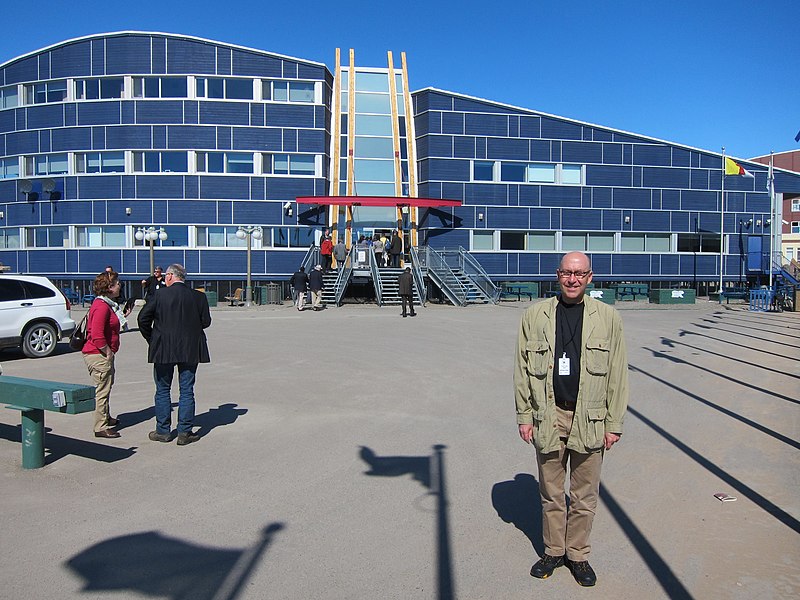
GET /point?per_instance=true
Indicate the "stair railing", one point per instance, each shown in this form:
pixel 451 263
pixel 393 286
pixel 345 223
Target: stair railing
pixel 473 269
pixel 345 271
pixel 442 274
pixel 419 280
pixel 376 278
pixel 311 259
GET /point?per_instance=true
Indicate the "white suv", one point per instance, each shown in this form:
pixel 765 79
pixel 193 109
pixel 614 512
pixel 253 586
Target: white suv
pixel 34 315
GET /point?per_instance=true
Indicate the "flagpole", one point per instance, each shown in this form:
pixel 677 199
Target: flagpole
pixel 772 215
pixel 722 227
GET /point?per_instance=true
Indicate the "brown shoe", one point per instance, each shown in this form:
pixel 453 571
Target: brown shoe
pixel 107 433
pixel 113 422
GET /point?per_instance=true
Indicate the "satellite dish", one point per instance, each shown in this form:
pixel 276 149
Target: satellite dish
pixel 25 186
pixel 48 185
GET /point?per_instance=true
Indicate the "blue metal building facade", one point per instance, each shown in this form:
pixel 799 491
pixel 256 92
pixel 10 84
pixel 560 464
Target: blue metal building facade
pixel 621 192
pixel 104 135
pixel 139 129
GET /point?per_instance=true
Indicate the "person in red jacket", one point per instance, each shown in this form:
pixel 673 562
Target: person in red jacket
pixel 326 250
pixel 103 325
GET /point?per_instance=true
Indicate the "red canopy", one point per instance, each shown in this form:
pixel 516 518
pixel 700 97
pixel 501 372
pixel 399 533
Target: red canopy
pixel 376 201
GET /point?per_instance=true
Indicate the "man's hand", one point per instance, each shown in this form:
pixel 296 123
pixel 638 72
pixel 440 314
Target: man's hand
pixel 526 433
pixel 610 440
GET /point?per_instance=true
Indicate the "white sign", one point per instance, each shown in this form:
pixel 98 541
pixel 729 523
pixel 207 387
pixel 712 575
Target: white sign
pixel 677 293
pixel 596 293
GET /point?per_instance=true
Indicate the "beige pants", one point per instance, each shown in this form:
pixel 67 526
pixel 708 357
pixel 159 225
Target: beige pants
pixel 316 299
pixel 568 532
pixel 101 370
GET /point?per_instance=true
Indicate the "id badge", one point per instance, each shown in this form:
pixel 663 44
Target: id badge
pixel 563 365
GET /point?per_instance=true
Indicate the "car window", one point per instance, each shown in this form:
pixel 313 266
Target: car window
pixel 11 289
pixel 34 290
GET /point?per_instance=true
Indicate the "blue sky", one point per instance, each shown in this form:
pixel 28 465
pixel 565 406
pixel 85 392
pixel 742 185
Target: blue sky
pixel 703 73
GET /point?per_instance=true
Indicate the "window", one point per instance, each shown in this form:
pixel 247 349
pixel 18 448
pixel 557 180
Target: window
pixel 9 238
pixel 796 205
pixel 9 97
pixel 560 174
pixel 657 242
pixel 483 170
pixel 160 162
pixel 42 93
pixel 573 241
pixel 160 87
pixel 46 237
pixel 100 162
pixel 98 89
pixel 176 236
pixel 512 240
pixel 290 164
pixel 224 162
pixel 542 173
pixel 600 242
pixel 795 226
pixel 230 89
pixel 483 239
pixel 541 241
pixel 571 174
pixel 288 91
pixel 650 242
pixel 694 242
pixel 9 168
pixel 219 237
pixel 99 237
pixel 512 172
pixel 46 164
pixel 294 237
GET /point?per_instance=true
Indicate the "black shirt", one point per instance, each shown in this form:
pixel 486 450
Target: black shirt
pixel 569 329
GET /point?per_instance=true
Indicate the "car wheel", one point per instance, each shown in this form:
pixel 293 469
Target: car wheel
pixel 39 340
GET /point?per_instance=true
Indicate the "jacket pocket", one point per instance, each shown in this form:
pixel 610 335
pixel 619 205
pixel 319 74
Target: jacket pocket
pixel 538 352
pixel 597 356
pixel 595 432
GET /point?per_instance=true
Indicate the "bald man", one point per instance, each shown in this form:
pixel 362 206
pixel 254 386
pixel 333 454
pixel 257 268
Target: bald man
pixel 571 392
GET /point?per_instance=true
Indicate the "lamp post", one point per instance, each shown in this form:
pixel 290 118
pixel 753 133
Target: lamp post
pixel 249 232
pixel 151 234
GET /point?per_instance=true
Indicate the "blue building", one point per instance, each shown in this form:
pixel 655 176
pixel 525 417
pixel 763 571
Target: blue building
pixel 106 138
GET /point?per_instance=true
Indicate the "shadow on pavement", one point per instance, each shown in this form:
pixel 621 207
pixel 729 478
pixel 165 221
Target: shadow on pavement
pixel 153 564
pixel 58 446
pixel 518 502
pixel 224 414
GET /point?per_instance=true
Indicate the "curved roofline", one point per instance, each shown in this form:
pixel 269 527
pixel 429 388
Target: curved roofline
pixel 174 35
pixel 622 131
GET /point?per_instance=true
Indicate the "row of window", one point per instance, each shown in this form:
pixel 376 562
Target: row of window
pixel 123 236
pixel 550 241
pixel 108 88
pixel 65 163
pixel 516 172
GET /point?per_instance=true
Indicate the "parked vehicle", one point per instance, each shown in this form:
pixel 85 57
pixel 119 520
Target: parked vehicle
pixel 34 315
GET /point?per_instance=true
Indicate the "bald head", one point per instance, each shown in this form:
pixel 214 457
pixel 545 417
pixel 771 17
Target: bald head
pixel 574 274
pixel 575 258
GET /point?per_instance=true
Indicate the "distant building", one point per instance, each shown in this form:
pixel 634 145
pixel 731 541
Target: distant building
pixel 108 135
pixel 790 206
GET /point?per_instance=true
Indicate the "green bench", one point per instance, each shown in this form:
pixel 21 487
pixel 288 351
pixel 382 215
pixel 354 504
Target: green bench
pixel 740 293
pixel 32 397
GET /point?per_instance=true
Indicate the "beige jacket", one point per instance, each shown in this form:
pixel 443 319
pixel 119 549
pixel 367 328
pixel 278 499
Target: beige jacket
pixel 603 390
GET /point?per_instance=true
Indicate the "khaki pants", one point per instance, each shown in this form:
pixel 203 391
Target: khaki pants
pixel 568 532
pixel 101 370
pixel 316 299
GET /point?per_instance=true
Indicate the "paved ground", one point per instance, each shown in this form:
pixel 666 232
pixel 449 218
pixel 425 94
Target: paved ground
pixel 354 454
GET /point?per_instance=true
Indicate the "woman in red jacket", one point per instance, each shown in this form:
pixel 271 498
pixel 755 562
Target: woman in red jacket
pixel 102 343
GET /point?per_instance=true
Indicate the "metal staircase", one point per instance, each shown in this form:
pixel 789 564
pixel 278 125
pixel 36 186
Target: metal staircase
pixel 387 286
pixel 336 282
pixel 460 277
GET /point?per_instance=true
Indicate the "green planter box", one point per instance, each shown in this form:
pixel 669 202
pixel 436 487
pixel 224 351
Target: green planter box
pixel 672 296
pixel 603 295
pixel 212 298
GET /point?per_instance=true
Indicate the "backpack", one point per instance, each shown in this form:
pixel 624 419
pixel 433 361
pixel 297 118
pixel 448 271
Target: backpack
pixel 78 337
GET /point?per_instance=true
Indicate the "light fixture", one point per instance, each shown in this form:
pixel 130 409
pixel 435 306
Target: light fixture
pixel 26 188
pixel 151 234
pixel 49 188
pixel 627 219
pixel 480 216
pixel 288 209
pixel 2 214
pixel 128 210
pixel 250 231
pixel 758 222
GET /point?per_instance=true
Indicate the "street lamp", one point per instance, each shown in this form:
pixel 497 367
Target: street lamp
pixel 249 232
pixel 151 234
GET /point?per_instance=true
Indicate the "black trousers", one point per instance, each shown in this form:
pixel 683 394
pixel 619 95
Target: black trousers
pixel 407 301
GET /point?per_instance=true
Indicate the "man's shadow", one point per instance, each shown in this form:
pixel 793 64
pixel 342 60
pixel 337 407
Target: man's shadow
pixel 224 414
pixel 518 502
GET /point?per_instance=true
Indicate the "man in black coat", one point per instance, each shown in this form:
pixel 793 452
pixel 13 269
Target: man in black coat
pixel 395 250
pixel 315 284
pixel 406 285
pixel 172 322
pixel 299 283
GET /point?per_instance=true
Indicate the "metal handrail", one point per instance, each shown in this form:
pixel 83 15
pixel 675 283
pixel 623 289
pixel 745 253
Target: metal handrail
pixel 419 280
pixel 311 259
pixel 478 276
pixel 376 278
pixel 345 271
pixel 440 271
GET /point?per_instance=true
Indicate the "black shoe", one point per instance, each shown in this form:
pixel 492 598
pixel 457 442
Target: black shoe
pixel 187 438
pixel 106 433
pixel 404 316
pixel 159 437
pixel 546 565
pixel 413 314
pixel 582 572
